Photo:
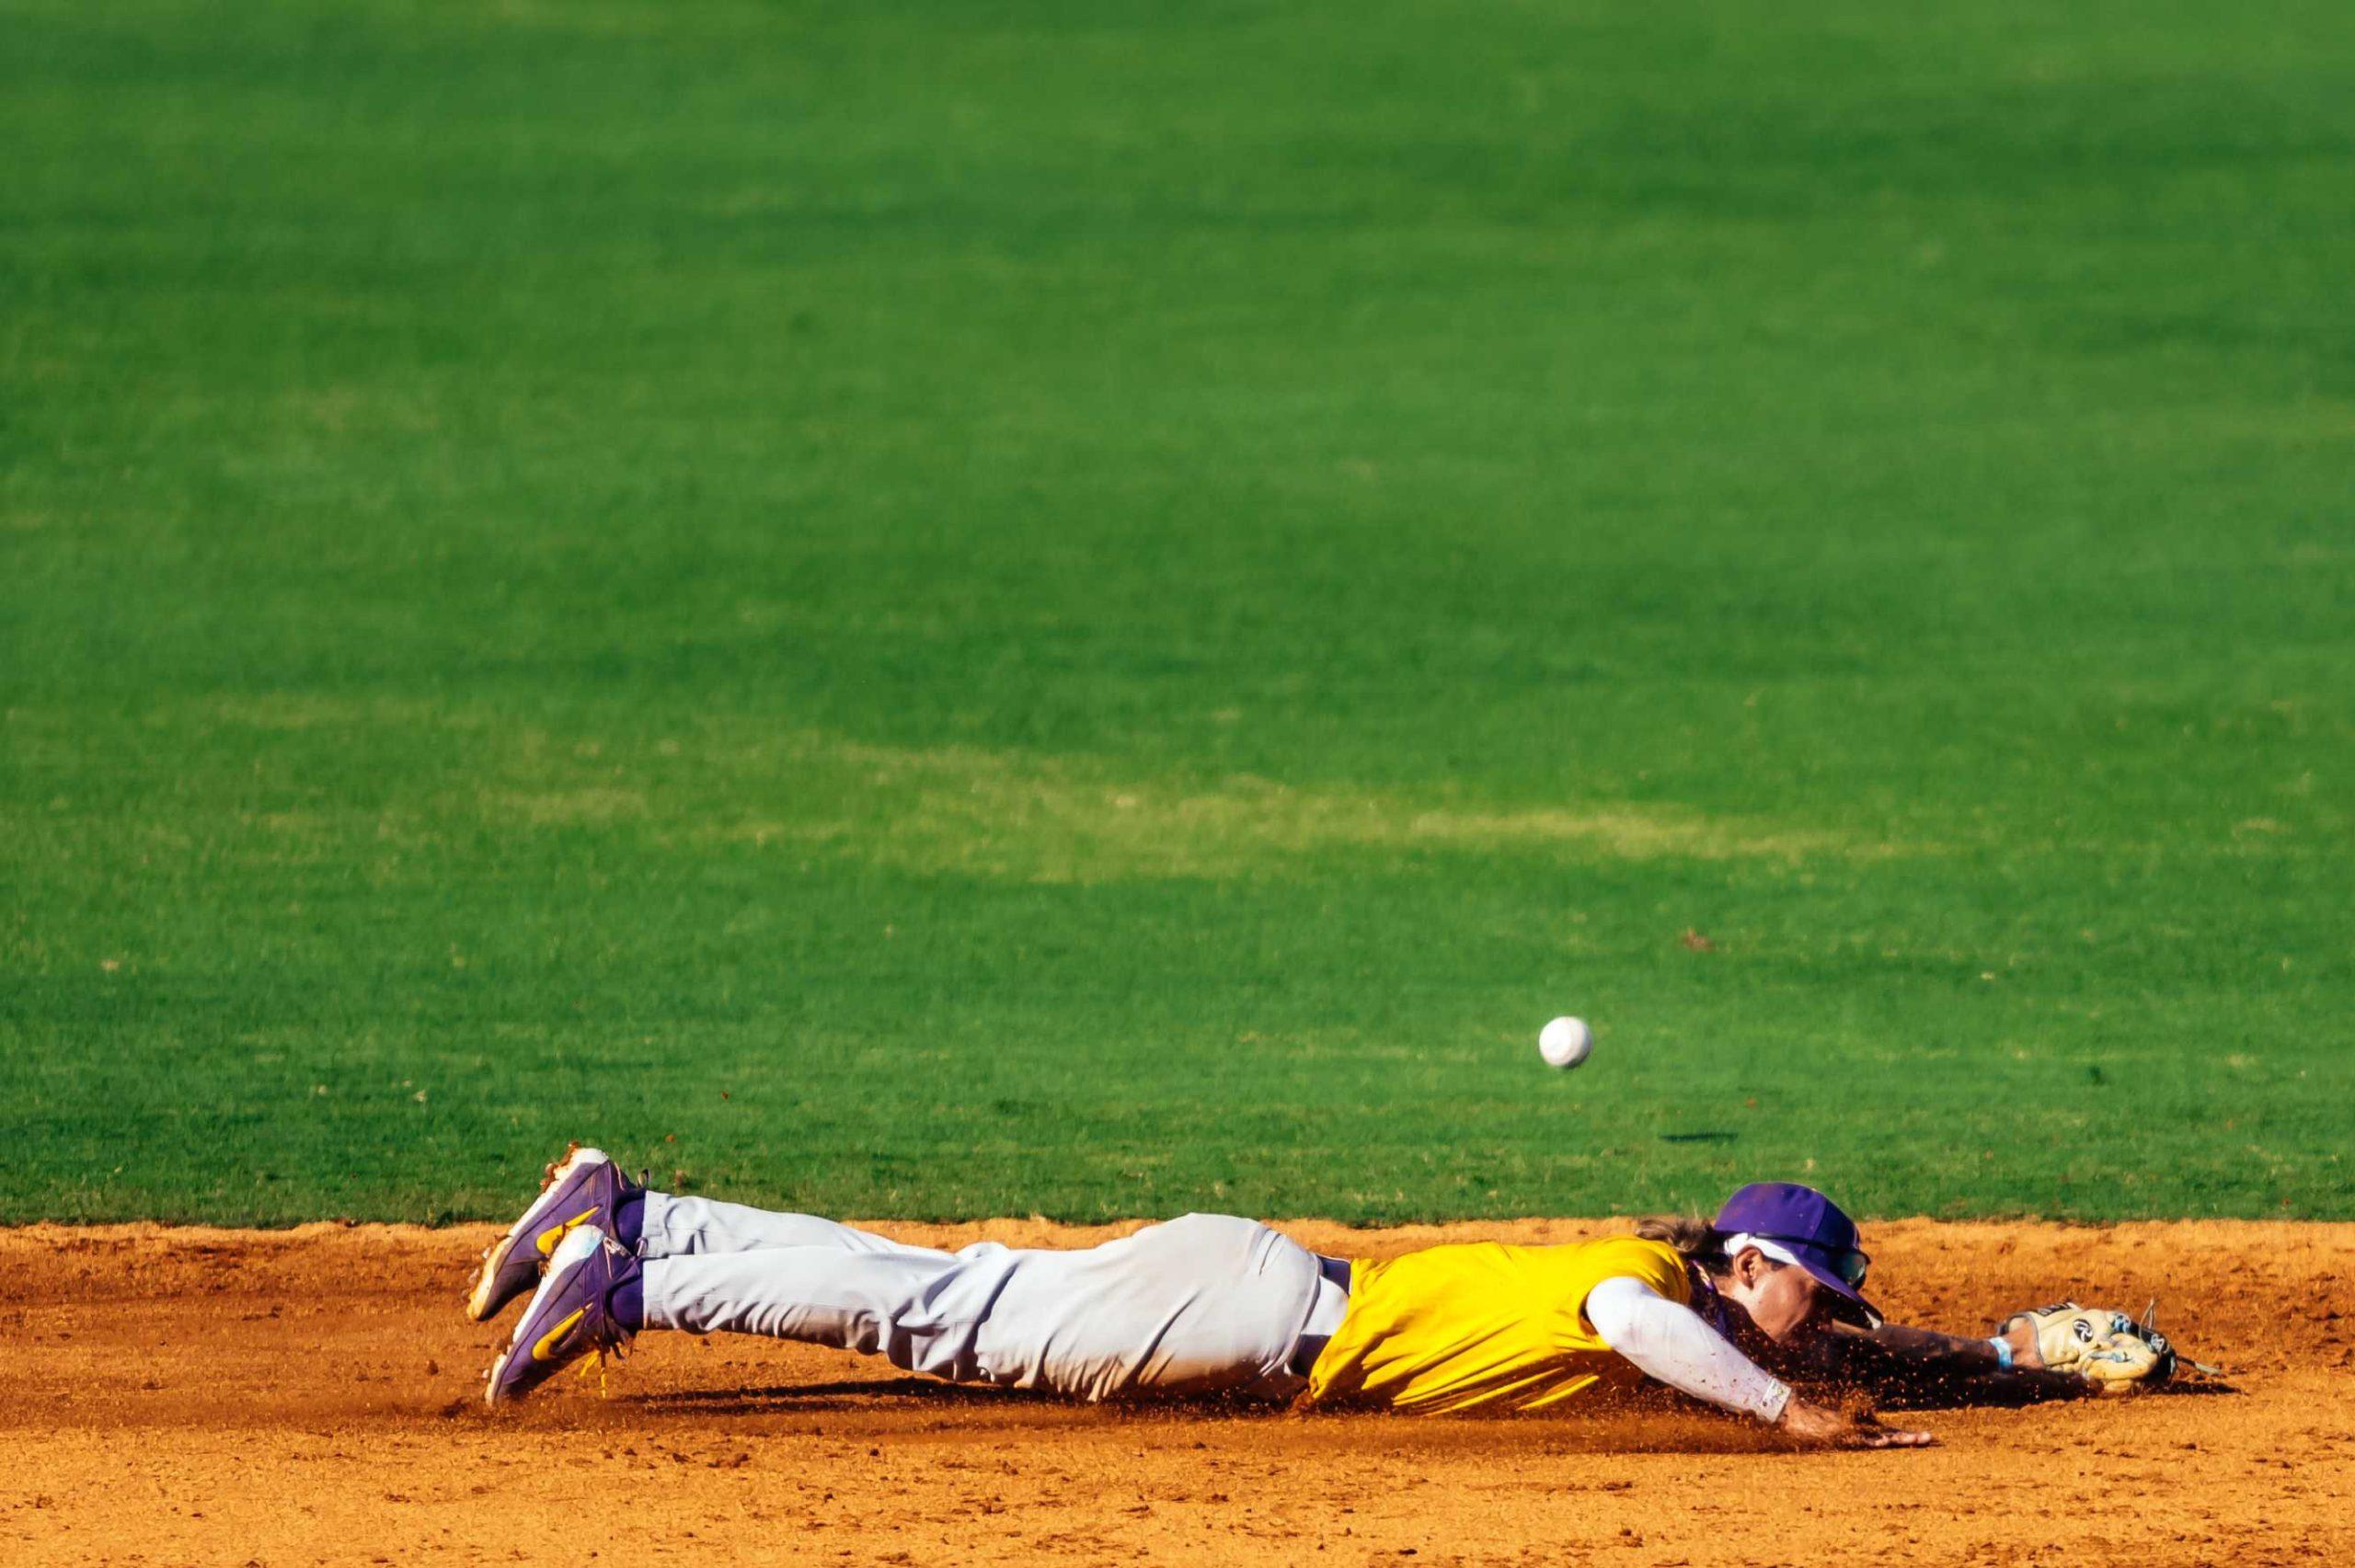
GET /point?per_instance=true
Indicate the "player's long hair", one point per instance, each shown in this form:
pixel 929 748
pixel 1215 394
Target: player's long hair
pixel 1701 1243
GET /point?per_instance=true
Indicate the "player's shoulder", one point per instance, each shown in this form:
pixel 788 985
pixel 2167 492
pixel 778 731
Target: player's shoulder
pixel 1657 1263
pixel 1662 1254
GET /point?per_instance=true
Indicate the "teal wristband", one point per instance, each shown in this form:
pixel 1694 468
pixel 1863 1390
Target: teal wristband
pixel 2003 1351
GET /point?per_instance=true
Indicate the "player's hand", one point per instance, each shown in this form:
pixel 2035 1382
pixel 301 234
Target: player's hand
pixel 1821 1428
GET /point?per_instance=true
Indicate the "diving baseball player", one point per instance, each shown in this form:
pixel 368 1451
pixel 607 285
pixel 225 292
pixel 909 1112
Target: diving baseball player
pixel 1211 1304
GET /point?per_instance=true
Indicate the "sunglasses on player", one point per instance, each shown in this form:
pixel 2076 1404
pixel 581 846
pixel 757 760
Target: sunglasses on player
pixel 1850 1263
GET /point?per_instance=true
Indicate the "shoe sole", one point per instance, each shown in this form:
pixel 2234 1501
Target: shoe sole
pixel 490 1394
pixel 479 1306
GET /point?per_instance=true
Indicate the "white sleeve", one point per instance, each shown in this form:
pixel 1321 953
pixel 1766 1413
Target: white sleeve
pixel 1671 1342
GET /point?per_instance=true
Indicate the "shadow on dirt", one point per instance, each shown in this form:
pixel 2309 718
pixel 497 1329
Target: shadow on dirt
pixel 1992 1394
pixel 836 1394
pixel 1651 1422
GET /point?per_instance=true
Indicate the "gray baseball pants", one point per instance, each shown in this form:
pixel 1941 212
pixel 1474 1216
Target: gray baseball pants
pixel 1204 1304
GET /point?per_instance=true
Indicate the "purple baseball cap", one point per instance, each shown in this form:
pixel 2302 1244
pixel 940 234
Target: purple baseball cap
pixel 1812 1228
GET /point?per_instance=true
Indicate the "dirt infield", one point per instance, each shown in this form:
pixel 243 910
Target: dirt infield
pixel 190 1396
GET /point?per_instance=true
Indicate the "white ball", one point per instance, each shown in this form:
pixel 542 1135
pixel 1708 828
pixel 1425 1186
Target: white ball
pixel 1565 1042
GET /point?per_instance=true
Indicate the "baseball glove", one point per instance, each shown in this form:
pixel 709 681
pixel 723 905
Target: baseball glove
pixel 2109 1350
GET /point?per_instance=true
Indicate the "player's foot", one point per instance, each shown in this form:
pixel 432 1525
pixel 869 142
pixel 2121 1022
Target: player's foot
pixel 583 1188
pixel 572 1315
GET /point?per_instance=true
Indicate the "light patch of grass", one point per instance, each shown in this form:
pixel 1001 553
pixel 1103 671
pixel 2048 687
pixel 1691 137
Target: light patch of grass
pixel 566 808
pixel 997 814
pixel 981 812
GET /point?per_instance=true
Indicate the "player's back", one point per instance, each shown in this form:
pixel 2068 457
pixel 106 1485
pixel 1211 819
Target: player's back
pixel 1484 1325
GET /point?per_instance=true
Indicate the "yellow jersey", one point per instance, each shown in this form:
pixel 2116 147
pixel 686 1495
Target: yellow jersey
pixel 1483 1326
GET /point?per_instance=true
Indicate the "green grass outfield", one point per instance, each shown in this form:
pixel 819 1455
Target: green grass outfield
pixel 1099 609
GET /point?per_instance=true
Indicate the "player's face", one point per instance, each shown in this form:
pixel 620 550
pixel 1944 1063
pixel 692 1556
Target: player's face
pixel 1783 1301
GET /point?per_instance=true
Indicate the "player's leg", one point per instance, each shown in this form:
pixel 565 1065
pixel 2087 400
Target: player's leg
pixel 586 1187
pixel 919 1313
pixel 665 1225
pixel 598 1295
pixel 924 1313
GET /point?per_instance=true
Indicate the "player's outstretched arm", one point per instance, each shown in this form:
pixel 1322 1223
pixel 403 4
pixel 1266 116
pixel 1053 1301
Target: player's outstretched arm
pixel 1900 1356
pixel 1670 1343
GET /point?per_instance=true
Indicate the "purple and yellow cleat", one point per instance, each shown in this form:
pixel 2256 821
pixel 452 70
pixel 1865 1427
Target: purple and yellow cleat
pixel 585 1187
pixel 586 1307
